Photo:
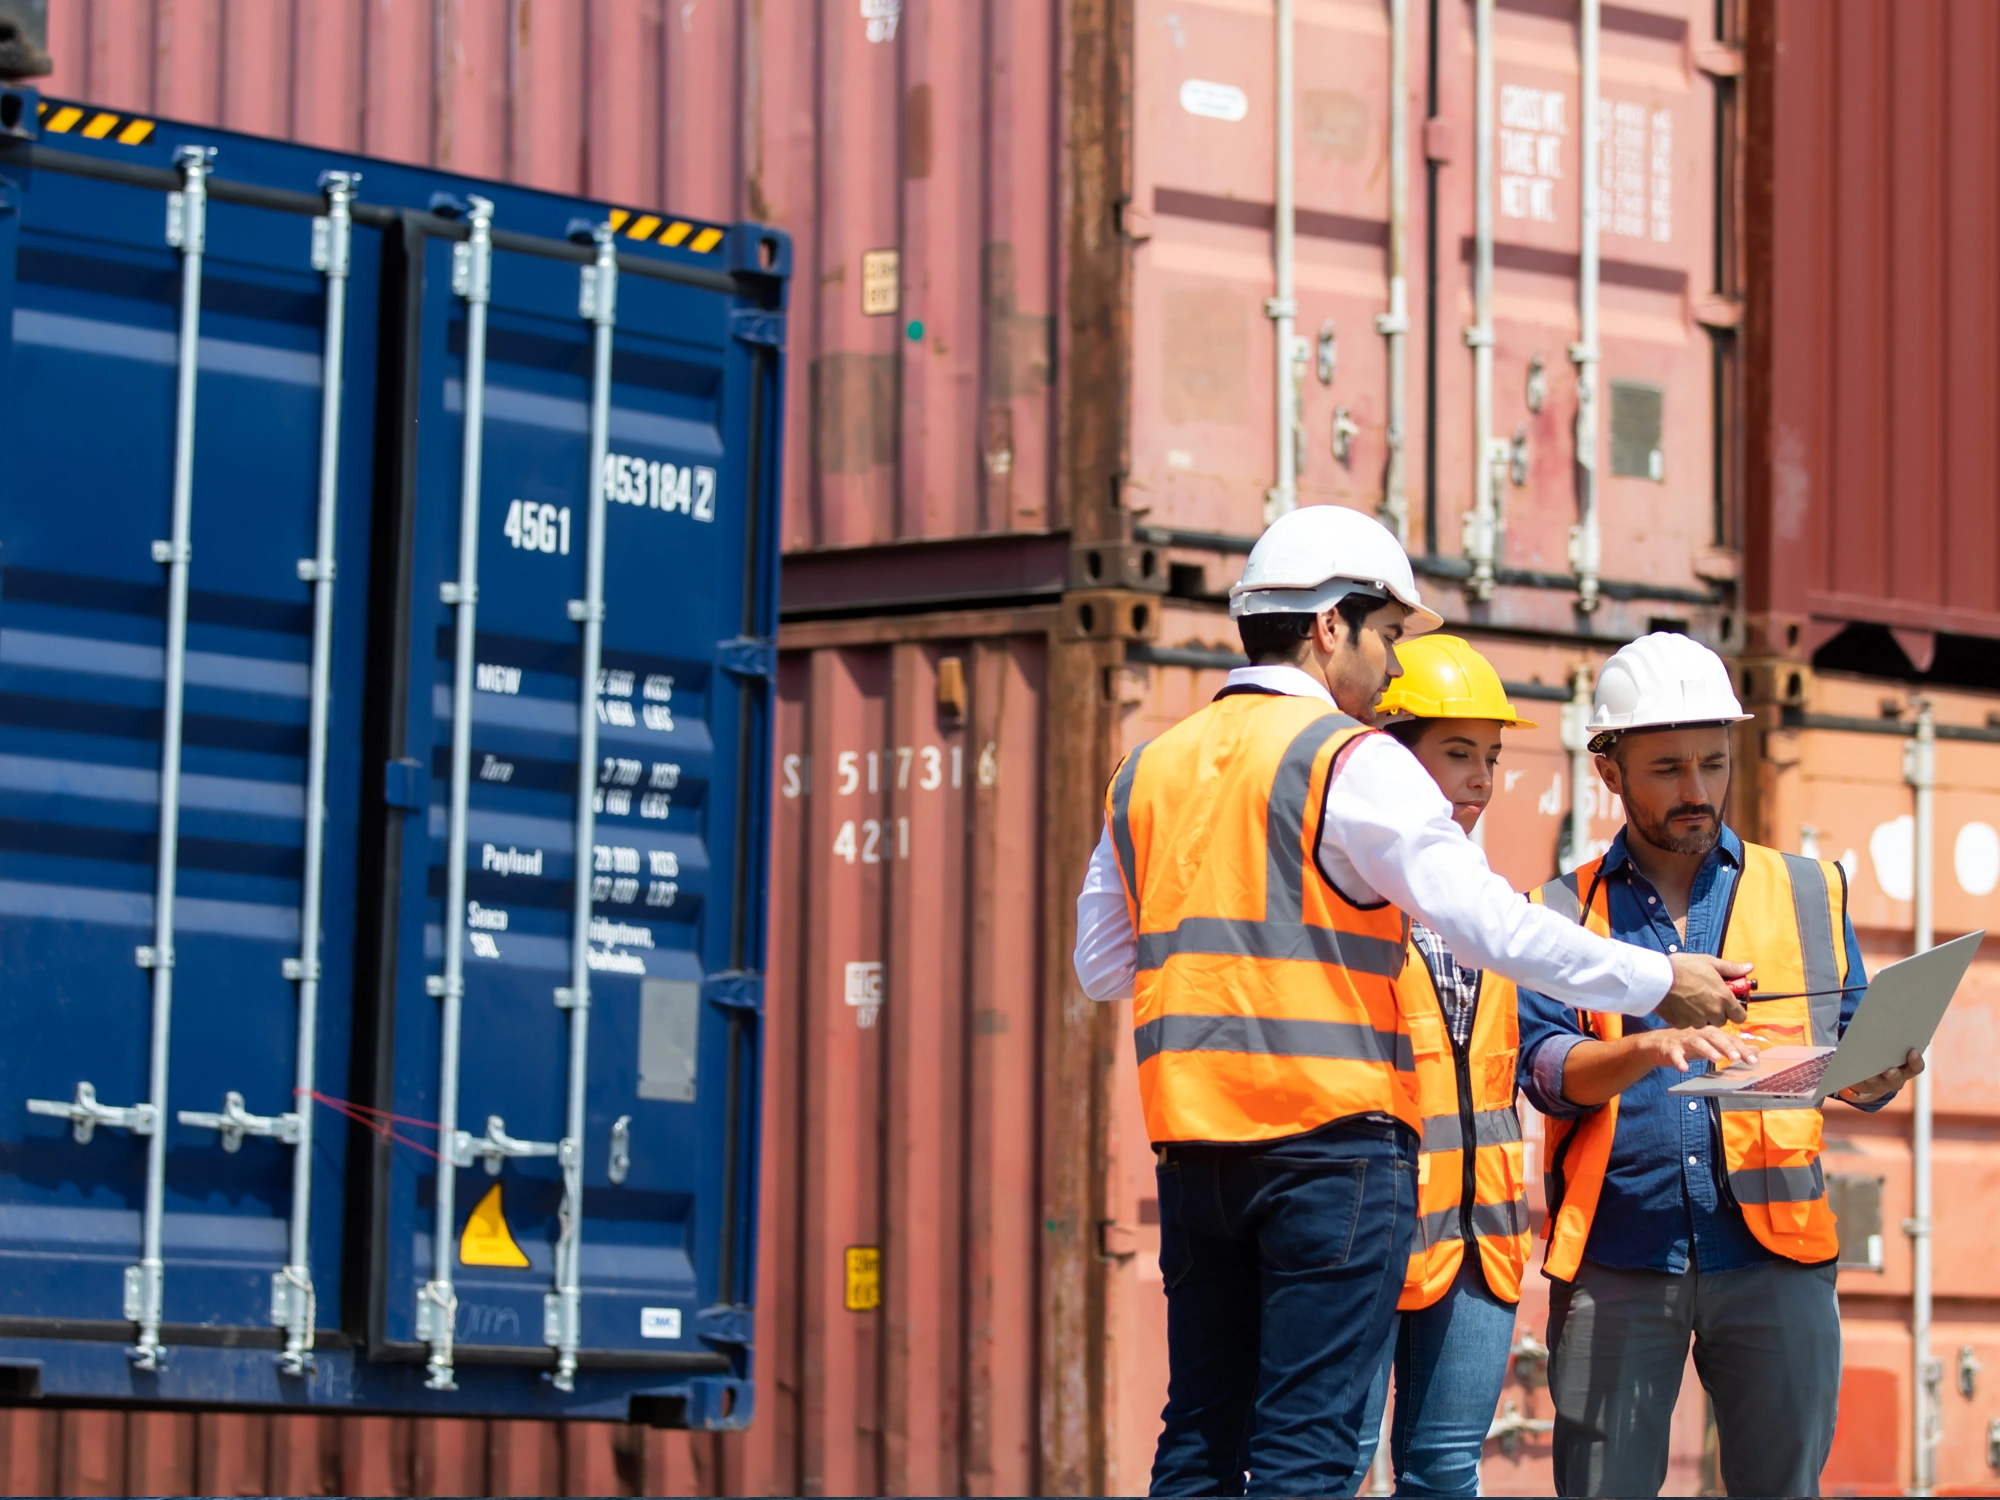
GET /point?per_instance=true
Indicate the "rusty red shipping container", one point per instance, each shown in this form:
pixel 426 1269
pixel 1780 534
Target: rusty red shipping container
pixel 1874 342
pixel 1042 232
pixel 910 148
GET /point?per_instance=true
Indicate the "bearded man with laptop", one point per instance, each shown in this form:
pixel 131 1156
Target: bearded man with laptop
pixel 1673 1219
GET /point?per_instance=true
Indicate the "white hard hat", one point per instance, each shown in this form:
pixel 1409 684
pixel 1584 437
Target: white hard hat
pixel 1660 680
pixel 1310 559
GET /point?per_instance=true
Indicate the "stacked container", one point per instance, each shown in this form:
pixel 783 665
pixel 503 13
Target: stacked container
pixel 1047 380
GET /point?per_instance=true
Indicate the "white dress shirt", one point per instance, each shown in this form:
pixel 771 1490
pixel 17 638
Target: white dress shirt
pixel 1388 835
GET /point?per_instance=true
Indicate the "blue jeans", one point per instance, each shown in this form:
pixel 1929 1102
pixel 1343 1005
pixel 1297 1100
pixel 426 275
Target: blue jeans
pixel 1451 1361
pixel 1282 1264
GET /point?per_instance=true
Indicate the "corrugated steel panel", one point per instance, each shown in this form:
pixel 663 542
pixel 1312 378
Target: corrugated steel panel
pixel 998 199
pixel 1202 397
pixel 900 1185
pixel 922 388
pixel 83 1452
pixel 1831 774
pixel 1873 367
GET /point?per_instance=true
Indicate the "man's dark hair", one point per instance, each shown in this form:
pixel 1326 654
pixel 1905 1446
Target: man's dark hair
pixel 1275 639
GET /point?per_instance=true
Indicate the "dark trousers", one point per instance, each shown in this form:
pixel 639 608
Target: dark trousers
pixel 1766 1346
pixel 1282 1265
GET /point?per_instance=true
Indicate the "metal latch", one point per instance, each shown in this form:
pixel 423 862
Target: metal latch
pixel 494 1147
pixel 1345 431
pixel 235 1122
pixel 1969 1366
pixel 1517 456
pixel 1510 1427
pixel 621 1149
pixel 85 1114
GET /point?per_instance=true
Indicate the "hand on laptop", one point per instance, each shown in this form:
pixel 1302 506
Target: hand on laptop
pixel 1675 1049
pixel 1883 1084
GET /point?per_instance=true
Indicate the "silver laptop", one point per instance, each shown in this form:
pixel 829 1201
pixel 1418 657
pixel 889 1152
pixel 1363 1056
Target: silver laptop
pixel 1903 1006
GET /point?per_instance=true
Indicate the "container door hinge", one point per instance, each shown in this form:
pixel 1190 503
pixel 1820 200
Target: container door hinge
pixel 762 328
pixel 736 989
pixel 454 593
pixel 580 612
pixel 725 1323
pixel 562 1314
pixel 437 1312
pixel 405 784
pixel 291 1299
pixel 146 956
pixel 85 1114
pixel 747 656
pixel 235 1122
pixel 166 552
pixel 140 1281
pixel 298 970
pixel 310 571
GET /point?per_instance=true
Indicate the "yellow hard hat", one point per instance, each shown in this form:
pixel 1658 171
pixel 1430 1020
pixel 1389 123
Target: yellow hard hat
pixel 1444 678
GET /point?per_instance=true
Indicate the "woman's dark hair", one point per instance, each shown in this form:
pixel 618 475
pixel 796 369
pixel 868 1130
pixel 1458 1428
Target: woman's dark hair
pixel 1274 640
pixel 1406 732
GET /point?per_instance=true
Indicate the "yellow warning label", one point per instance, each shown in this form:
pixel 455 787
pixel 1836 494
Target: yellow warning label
pixel 864 1278
pixel 486 1241
pixel 61 119
pixel 675 234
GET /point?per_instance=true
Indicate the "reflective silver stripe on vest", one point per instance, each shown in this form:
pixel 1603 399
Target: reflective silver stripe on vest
pixel 1778 1184
pixel 1240 937
pixel 1272 1037
pixel 1488 1221
pixel 1561 896
pixel 1285 819
pixel 1816 943
pixel 1490 1127
pixel 1121 824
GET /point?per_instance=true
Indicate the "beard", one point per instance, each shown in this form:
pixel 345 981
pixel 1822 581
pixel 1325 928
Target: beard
pixel 1659 832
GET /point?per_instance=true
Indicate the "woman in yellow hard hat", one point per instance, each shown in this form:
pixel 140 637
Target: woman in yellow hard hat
pixel 1456 1325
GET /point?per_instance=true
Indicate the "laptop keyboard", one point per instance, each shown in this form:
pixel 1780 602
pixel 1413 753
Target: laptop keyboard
pixel 1800 1078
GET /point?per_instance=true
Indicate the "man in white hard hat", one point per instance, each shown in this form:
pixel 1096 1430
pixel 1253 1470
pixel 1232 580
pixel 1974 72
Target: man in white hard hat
pixel 1670 1220
pixel 1249 891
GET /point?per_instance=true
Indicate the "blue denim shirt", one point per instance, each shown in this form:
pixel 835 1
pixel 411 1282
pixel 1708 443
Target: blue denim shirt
pixel 1662 1195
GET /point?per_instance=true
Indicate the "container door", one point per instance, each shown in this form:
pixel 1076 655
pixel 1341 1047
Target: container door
pixel 148 1121
pixel 663 1159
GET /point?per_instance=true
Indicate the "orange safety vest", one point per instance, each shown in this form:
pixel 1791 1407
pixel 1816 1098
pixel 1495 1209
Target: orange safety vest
pixel 1265 1004
pixel 1466 1094
pixel 1788 916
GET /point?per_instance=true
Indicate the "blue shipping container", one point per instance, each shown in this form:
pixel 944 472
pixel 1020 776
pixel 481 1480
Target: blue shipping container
pixel 387 615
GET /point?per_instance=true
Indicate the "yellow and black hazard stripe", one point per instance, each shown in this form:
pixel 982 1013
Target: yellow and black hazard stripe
pixel 95 124
pixel 682 234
